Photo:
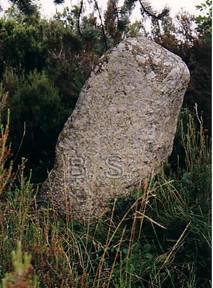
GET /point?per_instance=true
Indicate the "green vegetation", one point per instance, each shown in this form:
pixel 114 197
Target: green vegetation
pixel 22 269
pixel 40 58
pixel 157 237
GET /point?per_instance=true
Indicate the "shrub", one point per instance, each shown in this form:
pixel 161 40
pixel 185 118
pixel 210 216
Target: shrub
pixel 22 276
pixel 37 117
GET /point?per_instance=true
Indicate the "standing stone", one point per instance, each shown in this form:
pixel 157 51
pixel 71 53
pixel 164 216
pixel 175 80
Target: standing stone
pixel 122 129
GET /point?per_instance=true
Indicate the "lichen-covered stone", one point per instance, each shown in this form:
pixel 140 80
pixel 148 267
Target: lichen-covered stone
pixel 121 130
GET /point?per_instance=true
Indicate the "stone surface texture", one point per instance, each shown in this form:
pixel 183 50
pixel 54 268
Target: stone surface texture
pixel 122 129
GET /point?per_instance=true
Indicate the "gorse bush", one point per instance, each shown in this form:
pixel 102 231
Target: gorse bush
pixel 158 237
pixel 37 116
pixel 22 47
pixel 44 66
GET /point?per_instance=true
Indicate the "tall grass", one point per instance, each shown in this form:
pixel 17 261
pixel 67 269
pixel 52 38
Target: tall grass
pixel 158 237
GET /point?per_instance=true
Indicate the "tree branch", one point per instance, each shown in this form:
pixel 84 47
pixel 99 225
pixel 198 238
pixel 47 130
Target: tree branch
pixel 79 16
pixel 158 16
pixel 102 25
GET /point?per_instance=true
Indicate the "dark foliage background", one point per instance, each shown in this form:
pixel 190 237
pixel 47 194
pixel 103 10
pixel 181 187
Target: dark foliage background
pixel 159 236
pixel 45 63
